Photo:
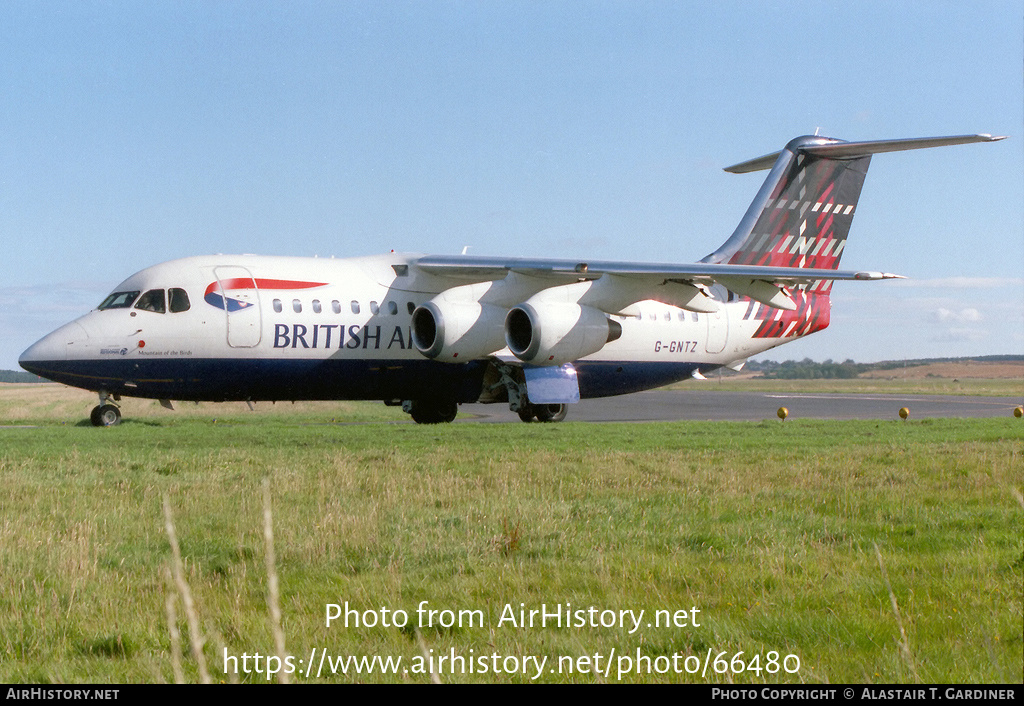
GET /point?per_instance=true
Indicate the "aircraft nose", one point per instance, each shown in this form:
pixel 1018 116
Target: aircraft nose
pixel 54 346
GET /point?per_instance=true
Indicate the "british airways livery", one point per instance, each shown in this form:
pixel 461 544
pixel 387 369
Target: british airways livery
pixel 429 332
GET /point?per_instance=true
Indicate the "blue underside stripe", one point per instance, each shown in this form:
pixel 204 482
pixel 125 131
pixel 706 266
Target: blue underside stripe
pixel 216 379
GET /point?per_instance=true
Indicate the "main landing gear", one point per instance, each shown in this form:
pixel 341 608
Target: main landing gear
pixel 436 412
pixel 502 383
pixel 543 412
pixel 431 411
pixel 105 414
pixel 514 383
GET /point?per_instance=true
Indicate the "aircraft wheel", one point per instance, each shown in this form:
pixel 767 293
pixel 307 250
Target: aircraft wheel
pixel 105 415
pixel 448 411
pixel 527 413
pixel 551 412
pixel 434 413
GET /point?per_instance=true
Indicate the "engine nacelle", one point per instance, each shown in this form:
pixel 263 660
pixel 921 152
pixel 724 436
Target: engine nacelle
pixel 557 333
pixel 454 331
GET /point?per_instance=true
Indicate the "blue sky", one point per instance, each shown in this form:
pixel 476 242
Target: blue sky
pixel 137 132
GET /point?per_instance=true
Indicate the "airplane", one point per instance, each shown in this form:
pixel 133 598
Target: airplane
pixel 430 332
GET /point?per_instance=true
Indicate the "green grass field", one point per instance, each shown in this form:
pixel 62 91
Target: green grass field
pixel 866 551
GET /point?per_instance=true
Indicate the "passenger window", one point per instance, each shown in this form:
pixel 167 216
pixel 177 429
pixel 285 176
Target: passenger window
pixel 278 307
pixel 336 306
pixel 296 306
pixel 118 300
pixel 316 306
pixel 393 308
pixel 153 300
pixel 355 307
pixel 179 300
pixel 374 309
pixel 410 307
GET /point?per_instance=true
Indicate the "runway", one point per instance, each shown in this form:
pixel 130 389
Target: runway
pixel 694 405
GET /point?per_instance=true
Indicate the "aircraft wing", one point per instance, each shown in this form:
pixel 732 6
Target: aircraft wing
pixel 847 150
pixel 764 284
pixel 476 268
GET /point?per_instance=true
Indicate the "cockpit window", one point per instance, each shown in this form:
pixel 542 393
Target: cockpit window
pixel 118 300
pixel 153 300
pixel 179 300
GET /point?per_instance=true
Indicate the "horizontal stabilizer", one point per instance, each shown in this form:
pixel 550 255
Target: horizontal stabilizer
pixel 851 150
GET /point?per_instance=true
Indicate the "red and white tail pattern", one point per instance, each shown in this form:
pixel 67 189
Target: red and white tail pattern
pixel 813 312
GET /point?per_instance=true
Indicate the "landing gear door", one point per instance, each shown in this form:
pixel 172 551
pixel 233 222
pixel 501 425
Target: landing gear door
pixel 241 302
pixel 552 385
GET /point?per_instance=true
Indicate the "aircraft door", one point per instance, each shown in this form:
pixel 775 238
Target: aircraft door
pixel 241 303
pixel 718 330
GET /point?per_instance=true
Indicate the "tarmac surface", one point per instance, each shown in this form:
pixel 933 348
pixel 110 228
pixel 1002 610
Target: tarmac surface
pixel 679 405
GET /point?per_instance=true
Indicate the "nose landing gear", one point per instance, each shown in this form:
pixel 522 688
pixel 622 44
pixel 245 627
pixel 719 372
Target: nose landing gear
pixel 105 414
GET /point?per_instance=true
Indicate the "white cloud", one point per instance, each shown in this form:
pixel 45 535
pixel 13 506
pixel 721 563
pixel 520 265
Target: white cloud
pixel 966 315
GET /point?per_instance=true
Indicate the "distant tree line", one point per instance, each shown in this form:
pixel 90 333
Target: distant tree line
pixel 808 369
pixel 893 364
pixel 18 376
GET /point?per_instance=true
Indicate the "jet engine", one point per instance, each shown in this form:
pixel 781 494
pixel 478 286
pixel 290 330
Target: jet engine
pixel 457 331
pixel 557 333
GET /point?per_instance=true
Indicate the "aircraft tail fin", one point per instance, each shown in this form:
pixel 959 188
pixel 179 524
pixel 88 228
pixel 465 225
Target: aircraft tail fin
pixel 803 211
